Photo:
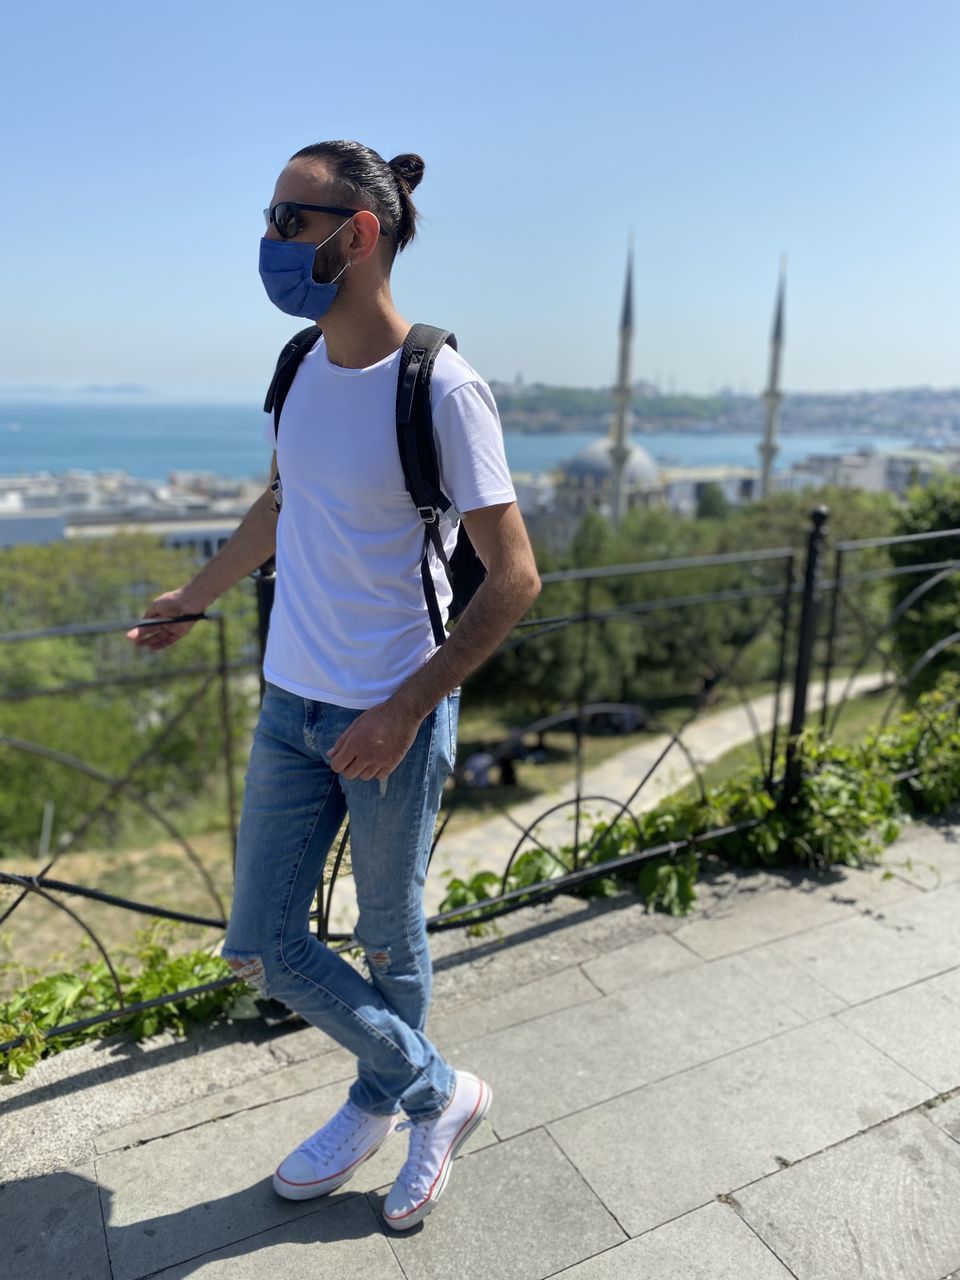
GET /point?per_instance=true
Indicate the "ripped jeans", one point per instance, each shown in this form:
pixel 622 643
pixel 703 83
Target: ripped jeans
pixel 293 807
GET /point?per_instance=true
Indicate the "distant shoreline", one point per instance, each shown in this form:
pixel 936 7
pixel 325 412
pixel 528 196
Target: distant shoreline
pixel 150 442
pixel 638 429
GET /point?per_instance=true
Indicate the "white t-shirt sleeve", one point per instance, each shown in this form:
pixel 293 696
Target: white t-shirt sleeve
pixel 473 463
pixel 269 434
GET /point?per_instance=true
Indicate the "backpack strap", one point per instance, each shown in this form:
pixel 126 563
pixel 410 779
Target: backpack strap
pixel 418 452
pixel 287 364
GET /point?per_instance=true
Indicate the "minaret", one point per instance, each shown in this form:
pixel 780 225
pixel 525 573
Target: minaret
pixel 620 444
pixel 773 395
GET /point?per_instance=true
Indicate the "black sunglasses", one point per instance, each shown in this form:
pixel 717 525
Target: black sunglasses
pixel 285 216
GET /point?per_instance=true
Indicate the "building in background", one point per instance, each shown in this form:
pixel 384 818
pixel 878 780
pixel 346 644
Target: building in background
pixel 684 487
pixel 865 469
pixel 190 509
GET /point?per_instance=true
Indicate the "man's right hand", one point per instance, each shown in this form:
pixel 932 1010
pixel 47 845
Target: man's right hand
pixel 170 605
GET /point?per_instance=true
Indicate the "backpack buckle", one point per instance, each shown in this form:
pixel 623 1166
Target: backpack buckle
pixel 429 515
pixel 277 490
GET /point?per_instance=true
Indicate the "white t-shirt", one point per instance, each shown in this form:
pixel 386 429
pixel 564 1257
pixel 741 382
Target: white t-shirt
pixel 349 623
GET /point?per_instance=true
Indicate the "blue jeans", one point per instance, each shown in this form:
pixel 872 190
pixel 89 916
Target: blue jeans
pixel 293 806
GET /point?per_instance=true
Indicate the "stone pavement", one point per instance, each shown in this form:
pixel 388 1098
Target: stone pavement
pixel 768 1088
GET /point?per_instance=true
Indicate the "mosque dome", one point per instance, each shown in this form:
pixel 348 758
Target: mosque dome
pixel 594 465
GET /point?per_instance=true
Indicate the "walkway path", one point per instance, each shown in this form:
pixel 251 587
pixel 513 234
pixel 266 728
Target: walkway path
pixel 766 1090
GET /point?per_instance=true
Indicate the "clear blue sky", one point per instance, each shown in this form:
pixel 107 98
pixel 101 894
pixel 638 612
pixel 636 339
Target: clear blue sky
pixel 140 144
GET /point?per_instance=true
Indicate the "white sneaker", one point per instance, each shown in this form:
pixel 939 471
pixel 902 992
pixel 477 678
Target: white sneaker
pixel 433 1145
pixel 332 1155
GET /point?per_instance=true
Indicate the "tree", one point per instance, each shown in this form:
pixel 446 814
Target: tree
pixel 105 723
pixel 712 502
pixel 592 542
pixel 657 655
pixel 934 615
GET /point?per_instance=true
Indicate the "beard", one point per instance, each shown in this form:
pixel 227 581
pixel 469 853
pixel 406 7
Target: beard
pixel 328 262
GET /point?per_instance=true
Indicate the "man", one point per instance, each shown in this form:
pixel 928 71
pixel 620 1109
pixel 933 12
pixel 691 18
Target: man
pixel 359 715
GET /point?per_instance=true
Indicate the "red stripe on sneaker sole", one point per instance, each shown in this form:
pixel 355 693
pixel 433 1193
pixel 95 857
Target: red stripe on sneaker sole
pixel 459 1138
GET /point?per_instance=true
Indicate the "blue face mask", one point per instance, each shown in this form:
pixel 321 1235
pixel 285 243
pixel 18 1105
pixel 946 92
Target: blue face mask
pixel 286 269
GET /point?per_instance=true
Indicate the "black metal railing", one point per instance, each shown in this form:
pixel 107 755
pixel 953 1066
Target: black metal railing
pixel 656 646
pixel 197 681
pixel 875 586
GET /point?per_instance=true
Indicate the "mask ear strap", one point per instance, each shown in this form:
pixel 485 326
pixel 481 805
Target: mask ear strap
pixel 348 263
pixel 336 232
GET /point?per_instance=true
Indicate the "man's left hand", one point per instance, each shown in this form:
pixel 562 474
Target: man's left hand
pixel 375 743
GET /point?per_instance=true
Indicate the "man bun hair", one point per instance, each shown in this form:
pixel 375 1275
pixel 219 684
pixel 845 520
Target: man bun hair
pixel 408 168
pixel 362 177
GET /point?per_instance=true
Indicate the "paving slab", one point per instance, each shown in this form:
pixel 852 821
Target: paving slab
pixel 869 956
pixel 742 909
pixel 299 1078
pixel 536 942
pixel 530 1000
pixel 782 982
pixel 933 856
pixel 340 1241
pixel 945 1114
pixel 51 1116
pixel 50 1227
pixel 517 1211
pixel 569 1060
pixel 522 1003
pixel 673 1145
pixel 202 1188
pixel 712 1243
pixel 918 1026
pixel 786 984
pixel 883 1204
pixel 650 958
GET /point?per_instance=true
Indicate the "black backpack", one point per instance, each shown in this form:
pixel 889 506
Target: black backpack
pixel 418 456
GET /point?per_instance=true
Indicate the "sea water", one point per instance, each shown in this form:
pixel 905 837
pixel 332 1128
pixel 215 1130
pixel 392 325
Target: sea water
pixel 153 440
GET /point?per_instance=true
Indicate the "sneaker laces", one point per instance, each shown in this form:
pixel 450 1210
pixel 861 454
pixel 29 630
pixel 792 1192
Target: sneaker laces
pixel 413 1174
pixel 338 1130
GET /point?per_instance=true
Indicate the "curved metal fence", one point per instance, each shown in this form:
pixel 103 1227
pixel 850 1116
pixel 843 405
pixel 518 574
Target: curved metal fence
pixel 659 650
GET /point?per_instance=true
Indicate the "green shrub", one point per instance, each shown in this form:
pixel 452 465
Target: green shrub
pixel 933 615
pixel 849 804
pixel 923 749
pixel 70 996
